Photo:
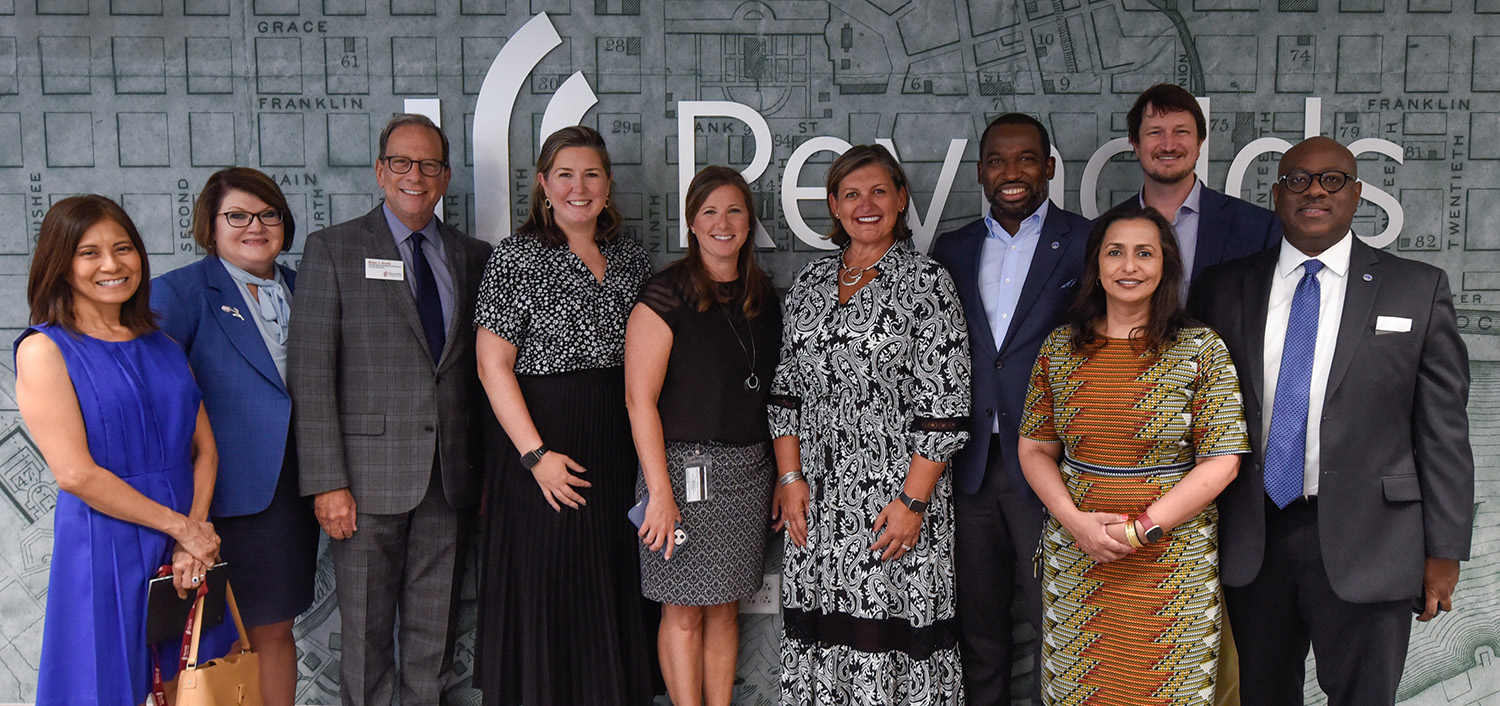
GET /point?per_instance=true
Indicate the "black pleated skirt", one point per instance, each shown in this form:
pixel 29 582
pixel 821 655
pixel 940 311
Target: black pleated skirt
pixel 560 608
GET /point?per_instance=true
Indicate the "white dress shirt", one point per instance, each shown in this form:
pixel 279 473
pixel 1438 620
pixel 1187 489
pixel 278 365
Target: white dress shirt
pixel 1004 262
pixel 1333 281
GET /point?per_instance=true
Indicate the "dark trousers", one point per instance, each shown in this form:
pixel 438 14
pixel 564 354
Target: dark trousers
pixel 404 563
pixel 998 530
pixel 1360 648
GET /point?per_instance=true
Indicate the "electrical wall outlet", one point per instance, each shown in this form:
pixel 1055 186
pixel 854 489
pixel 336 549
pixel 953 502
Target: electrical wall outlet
pixel 766 599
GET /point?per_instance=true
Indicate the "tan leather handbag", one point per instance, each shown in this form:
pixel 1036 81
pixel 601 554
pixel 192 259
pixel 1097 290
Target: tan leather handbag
pixel 232 680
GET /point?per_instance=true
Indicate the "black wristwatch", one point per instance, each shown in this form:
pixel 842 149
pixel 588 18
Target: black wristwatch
pixel 913 504
pixel 1150 531
pixel 530 459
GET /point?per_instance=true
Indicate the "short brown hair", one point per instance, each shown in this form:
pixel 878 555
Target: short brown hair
pixel 855 159
pixel 752 278
pixel 1164 98
pixel 48 291
pixel 415 119
pixel 250 181
pixel 539 218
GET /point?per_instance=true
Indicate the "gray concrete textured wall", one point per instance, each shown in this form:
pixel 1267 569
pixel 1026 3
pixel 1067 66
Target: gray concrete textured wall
pixel 142 99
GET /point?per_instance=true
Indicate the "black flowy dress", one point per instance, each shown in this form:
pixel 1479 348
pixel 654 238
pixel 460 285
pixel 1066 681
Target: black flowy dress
pixel 561 618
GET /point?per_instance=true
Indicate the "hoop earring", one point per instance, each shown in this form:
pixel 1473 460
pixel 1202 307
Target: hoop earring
pixel 547 203
pixel 606 202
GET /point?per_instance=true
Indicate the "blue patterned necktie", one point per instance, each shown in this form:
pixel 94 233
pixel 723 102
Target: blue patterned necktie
pixel 1286 447
pixel 429 307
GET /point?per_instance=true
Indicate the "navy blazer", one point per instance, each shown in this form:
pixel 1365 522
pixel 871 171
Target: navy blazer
pixel 1001 377
pixel 1228 229
pixel 247 401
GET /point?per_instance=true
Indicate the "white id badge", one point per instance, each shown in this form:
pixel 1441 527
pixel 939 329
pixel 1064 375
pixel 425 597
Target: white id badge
pixel 696 478
pixel 393 270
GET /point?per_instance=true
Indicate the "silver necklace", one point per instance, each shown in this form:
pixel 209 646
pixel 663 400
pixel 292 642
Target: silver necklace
pixel 752 383
pixel 850 276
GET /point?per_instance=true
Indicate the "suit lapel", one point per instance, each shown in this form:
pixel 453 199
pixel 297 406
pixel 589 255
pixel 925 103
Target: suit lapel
pixel 381 243
pixel 1257 298
pixel 458 269
pixel 1359 299
pixel 237 322
pixel 970 246
pixel 1048 253
pixel 1214 223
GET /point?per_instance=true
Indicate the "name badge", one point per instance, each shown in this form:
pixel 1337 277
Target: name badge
pixel 695 470
pixel 393 270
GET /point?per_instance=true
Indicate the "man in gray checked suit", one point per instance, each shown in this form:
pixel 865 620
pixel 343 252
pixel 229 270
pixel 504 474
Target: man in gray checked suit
pixel 381 365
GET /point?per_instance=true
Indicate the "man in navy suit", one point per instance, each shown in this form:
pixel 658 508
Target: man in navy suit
pixel 1167 129
pixel 1016 271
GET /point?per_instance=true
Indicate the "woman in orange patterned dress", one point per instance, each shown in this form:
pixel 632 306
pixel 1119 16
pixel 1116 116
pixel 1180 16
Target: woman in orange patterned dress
pixel 1133 426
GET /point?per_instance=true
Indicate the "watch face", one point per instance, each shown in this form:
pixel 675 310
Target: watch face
pixel 1154 534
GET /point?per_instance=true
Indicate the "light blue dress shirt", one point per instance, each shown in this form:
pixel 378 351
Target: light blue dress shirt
pixel 1004 261
pixel 1185 224
pixel 437 259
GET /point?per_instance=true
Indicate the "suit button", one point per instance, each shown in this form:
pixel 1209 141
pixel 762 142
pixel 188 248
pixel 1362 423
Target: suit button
pixel 999 365
pixel 438 379
pixel 427 428
pixel 989 413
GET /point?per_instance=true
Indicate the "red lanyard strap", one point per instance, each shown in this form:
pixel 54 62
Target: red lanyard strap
pixel 158 690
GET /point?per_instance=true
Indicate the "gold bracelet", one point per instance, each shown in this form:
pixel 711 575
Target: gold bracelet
pixel 1130 535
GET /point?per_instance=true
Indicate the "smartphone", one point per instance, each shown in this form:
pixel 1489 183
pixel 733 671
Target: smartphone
pixel 637 515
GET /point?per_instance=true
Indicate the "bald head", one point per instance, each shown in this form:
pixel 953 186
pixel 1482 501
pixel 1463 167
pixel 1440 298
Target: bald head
pixel 1316 218
pixel 1318 148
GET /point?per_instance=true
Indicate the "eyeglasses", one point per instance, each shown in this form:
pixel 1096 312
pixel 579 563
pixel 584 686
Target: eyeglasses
pixel 402 165
pixel 241 219
pixel 1332 180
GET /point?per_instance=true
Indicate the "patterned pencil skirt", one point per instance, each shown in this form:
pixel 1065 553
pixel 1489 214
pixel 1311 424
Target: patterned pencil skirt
pixel 722 558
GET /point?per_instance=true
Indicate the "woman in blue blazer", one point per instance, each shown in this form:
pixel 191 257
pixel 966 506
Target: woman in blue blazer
pixel 229 312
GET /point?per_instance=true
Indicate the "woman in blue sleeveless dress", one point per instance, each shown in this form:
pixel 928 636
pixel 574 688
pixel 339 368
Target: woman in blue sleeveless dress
pixel 111 404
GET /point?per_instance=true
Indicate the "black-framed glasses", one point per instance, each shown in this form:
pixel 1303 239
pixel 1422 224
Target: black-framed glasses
pixel 402 165
pixel 241 219
pixel 1331 180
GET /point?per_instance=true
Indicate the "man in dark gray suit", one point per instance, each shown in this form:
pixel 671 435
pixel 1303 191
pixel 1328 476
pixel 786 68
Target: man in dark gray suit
pixel 381 365
pixel 1167 128
pixel 1357 502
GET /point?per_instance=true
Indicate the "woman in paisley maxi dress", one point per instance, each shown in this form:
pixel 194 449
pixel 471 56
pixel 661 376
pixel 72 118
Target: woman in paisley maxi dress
pixel 865 411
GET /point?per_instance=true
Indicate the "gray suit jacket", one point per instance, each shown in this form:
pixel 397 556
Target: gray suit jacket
pixel 370 407
pixel 1397 478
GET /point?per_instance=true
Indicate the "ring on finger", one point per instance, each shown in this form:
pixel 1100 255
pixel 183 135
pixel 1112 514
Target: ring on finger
pixel 906 547
pixel 196 580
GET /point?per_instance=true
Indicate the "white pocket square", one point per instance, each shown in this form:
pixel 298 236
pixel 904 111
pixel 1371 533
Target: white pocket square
pixel 1392 324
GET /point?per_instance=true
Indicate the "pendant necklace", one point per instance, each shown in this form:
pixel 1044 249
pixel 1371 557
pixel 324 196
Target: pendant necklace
pixel 752 383
pixel 850 276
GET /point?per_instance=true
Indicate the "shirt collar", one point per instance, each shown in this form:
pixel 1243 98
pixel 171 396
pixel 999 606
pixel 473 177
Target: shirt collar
pixel 1192 203
pixel 400 232
pixel 1335 259
pixel 1035 220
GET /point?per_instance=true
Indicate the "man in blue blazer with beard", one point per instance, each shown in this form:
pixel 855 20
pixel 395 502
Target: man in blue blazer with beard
pixel 1016 271
pixel 1167 128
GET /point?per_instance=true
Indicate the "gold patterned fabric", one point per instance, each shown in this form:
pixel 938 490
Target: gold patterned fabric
pixel 1144 630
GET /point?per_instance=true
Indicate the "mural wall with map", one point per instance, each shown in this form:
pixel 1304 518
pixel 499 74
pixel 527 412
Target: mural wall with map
pixel 142 99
